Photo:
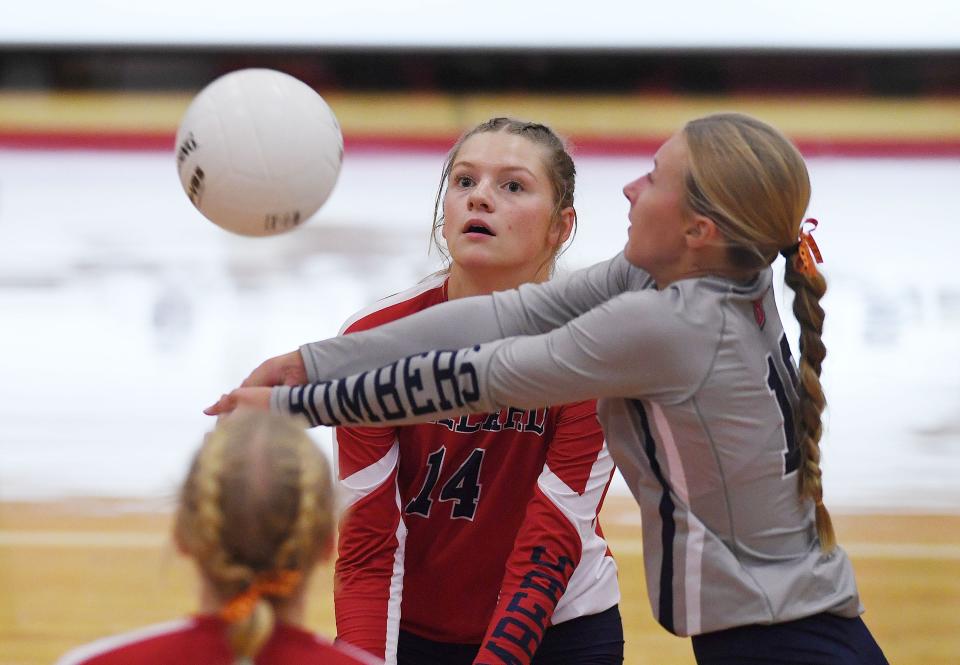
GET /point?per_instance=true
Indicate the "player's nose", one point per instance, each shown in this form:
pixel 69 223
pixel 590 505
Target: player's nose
pixel 632 188
pixel 481 197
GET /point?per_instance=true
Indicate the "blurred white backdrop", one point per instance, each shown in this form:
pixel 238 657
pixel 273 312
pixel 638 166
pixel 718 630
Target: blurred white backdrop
pixel 124 312
pixel 600 24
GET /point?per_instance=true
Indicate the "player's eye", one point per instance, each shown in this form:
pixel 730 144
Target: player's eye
pixel 513 186
pixel 464 181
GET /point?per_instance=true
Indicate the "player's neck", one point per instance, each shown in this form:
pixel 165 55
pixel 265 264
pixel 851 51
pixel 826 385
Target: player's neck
pixel 466 283
pixel 709 261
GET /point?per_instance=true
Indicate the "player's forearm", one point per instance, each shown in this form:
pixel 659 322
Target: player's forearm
pixel 449 325
pixel 361 619
pixel 534 309
pixel 416 389
pixel 545 555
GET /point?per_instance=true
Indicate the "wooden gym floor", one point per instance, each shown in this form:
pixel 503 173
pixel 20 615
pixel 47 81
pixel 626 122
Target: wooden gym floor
pixel 76 570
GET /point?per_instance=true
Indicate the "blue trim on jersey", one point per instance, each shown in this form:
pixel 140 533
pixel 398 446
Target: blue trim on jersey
pixel 669 528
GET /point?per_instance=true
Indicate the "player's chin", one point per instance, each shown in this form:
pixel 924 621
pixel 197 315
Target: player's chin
pixel 480 254
pixel 633 256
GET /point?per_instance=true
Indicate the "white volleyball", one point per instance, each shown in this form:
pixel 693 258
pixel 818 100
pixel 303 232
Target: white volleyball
pixel 258 152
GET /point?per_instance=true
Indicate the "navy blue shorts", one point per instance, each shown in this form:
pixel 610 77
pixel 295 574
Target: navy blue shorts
pixel 821 639
pixel 596 639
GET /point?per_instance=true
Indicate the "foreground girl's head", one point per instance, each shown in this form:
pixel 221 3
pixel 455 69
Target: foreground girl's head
pixel 256 514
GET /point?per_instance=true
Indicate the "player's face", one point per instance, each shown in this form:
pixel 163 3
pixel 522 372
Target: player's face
pixel 658 211
pixel 499 207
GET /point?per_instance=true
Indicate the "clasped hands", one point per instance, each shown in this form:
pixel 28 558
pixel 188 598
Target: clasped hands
pixel 254 393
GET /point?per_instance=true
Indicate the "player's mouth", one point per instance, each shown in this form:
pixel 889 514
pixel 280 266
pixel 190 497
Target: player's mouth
pixel 475 226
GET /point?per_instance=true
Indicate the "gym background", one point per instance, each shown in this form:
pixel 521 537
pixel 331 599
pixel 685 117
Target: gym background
pixel 124 312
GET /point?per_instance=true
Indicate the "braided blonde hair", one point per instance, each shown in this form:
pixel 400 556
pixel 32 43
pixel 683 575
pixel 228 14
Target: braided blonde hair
pixel 258 499
pixel 753 183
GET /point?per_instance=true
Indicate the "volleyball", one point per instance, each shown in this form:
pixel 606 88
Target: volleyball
pixel 258 152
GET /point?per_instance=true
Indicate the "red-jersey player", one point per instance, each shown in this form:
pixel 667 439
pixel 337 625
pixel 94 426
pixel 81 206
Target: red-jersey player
pixel 479 534
pixel 256 515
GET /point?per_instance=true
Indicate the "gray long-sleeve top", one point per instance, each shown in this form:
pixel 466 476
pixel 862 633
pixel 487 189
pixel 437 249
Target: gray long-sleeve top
pixel 696 389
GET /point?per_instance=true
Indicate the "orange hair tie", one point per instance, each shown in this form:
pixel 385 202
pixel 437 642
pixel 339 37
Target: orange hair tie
pixel 807 253
pixel 278 584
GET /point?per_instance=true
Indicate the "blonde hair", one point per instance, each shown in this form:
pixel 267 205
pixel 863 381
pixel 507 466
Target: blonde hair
pixel 753 183
pixel 258 499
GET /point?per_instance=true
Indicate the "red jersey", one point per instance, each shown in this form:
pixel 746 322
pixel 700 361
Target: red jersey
pixel 202 640
pixel 481 530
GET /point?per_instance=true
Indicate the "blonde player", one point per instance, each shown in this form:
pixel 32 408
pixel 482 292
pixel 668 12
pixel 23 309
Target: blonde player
pixel 256 516
pixel 713 426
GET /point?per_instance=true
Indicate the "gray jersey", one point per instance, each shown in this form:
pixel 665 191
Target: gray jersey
pixel 697 395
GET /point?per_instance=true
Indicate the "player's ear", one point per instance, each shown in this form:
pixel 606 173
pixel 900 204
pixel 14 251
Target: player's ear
pixel 701 231
pixel 562 227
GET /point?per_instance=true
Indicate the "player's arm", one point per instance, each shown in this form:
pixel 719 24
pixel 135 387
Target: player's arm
pixel 367 589
pixel 532 309
pixel 637 344
pixel 560 518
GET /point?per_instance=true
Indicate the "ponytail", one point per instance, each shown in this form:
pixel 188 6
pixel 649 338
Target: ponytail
pixel 248 635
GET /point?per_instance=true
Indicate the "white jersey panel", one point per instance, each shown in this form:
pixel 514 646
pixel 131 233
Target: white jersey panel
pixel 593 586
pixel 366 480
pixel 396 590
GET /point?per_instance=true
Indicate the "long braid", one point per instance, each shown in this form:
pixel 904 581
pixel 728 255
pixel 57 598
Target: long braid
pixel 210 519
pixel 247 636
pixel 808 290
pixel 308 524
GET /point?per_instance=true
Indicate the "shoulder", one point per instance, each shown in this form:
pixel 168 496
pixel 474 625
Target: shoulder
pixel 691 306
pixel 584 407
pixel 574 412
pixel 125 647
pixel 709 301
pixel 662 343
pixel 648 315
pixel 427 293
